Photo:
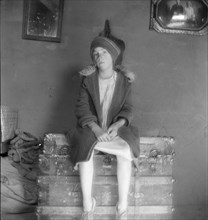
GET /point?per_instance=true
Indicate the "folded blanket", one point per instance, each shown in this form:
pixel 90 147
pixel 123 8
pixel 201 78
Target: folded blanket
pixel 24 152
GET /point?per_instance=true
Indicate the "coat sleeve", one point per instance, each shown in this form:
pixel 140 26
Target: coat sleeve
pixel 126 109
pixel 85 111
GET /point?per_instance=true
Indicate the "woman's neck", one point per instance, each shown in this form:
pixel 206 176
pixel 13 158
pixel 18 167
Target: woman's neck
pixel 106 74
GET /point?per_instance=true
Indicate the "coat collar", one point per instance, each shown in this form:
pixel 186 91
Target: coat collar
pixel 88 70
pixel 91 83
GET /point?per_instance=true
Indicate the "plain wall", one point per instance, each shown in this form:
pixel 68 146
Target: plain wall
pixel 41 80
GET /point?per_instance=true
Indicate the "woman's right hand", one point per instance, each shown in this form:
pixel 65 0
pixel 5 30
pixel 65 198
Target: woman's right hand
pixel 101 135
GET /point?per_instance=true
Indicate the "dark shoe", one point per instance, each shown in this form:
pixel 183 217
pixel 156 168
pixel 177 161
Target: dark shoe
pixel 88 215
pixel 122 215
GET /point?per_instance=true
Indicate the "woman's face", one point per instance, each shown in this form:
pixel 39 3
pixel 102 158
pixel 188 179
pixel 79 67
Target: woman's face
pixel 102 58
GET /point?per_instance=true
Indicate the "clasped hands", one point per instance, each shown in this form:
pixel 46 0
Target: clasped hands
pixel 110 134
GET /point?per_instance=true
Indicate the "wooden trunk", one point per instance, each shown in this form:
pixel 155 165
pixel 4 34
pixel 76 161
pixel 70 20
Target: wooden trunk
pixel 66 191
pixel 150 194
pixel 108 213
pixel 105 165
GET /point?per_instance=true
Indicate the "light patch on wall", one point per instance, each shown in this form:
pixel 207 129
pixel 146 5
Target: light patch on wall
pixel 51 46
pixel 206 131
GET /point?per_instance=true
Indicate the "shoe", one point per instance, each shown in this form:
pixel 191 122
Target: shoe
pixel 88 215
pixel 121 216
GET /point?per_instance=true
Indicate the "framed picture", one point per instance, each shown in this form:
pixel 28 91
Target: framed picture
pixel 179 16
pixel 42 20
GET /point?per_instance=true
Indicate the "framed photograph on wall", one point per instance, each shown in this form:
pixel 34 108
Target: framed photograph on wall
pixel 42 20
pixel 179 16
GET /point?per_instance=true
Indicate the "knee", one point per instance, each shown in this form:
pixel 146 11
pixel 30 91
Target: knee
pixel 86 165
pixel 122 160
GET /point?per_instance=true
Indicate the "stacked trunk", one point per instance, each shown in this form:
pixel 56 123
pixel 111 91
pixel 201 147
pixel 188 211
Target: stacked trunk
pixel 150 195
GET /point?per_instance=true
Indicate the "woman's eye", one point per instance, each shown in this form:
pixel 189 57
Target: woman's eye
pixel 101 53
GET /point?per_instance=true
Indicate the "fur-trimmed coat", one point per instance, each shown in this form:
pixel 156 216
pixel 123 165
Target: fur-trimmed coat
pixel 88 109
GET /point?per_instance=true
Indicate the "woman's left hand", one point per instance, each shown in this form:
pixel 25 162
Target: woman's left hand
pixel 113 129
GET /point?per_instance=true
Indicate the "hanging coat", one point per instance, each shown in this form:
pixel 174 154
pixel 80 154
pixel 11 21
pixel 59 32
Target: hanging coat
pixel 88 109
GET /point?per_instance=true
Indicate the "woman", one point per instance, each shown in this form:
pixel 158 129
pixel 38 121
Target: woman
pixel 104 114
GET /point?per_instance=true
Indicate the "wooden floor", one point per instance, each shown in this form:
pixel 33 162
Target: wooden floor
pixel 183 213
pixel 25 216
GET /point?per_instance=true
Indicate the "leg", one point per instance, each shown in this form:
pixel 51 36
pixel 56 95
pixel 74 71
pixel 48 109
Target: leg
pixel 86 170
pixel 124 178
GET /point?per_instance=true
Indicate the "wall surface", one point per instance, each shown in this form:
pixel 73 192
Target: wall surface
pixel 40 79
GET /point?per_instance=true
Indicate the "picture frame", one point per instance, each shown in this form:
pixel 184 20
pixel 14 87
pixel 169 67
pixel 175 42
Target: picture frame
pixel 179 16
pixel 42 20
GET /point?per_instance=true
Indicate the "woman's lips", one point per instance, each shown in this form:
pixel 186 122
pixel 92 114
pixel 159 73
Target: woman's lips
pixel 100 61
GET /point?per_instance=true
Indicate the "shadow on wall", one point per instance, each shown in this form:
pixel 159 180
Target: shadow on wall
pixel 63 112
